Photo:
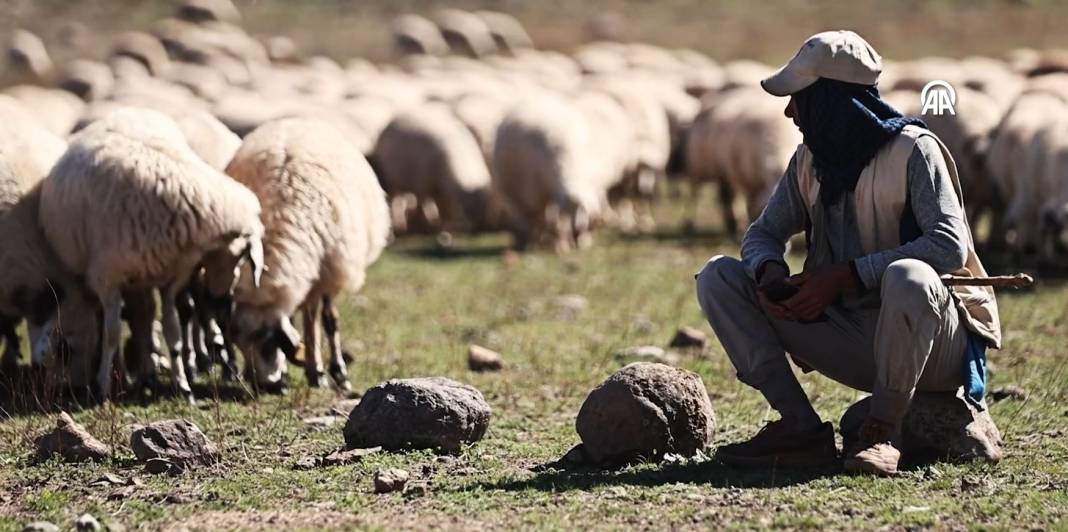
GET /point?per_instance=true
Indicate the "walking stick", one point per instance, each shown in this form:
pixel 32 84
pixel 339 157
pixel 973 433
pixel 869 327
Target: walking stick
pixel 1020 280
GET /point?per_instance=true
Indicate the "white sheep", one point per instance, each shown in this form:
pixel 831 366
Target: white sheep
pixel 130 207
pixel 428 153
pixel 413 34
pixel 326 221
pixel 544 168
pixel 26 52
pixel 466 33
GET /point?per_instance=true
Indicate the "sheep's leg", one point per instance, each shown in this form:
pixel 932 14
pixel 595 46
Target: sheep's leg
pixel 111 335
pixel 338 370
pixel 726 205
pixel 313 360
pixel 10 360
pixel 200 347
pixel 173 334
pixel 140 309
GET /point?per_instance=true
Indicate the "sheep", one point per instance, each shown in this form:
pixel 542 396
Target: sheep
pixel 428 153
pixel 465 33
pixel 208 11
pixel 326 222
pixel 542 168
pixel 57 110
pixel 131 208
pixel 413 34
pixel 1007 161
pixel 744 144
pixel 27 54
pixel 143 48
pixel 506 31
pixel 31 285
pixel 88 80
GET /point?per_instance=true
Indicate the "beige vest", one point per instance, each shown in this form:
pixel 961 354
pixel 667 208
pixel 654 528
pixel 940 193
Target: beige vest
pixel 879 200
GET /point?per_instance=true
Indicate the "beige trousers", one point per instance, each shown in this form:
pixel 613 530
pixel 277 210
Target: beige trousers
pixel 914 340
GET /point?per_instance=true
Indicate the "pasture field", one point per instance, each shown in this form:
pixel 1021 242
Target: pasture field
pixel 422 308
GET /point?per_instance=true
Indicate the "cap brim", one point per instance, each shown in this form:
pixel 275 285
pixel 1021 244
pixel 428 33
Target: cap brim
pixel 787 81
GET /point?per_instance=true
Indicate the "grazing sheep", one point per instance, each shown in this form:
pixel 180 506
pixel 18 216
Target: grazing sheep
pixel 1007 161
pixel 26 53
pixel 744 144
pixel 428 153
pixel 131 208
pixel 57 110
pixel 542 167
pixel 88 80
pixel 208 11
pixel 506 30
pixel 143 48
pixel 326 221
pixel 465 33
pixel 413 34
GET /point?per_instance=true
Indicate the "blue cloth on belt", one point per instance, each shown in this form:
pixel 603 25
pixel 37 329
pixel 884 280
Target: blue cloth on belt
pixel 975 371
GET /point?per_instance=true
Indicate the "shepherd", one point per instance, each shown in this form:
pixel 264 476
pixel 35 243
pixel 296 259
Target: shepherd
pixel 877 197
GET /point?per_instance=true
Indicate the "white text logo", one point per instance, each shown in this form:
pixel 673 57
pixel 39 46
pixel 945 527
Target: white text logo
pixel 937 97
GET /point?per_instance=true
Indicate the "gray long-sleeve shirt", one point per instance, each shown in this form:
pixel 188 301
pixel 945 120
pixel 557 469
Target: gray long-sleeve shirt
pixel 933 199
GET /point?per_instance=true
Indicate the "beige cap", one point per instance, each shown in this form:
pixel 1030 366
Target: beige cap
pixel 841 55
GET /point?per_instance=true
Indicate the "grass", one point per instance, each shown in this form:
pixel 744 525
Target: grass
pixel 415 318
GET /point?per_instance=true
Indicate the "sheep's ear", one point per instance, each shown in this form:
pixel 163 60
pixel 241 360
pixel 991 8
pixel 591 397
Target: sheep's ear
pixel 254 254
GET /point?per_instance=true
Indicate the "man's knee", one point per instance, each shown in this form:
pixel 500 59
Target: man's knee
pixel 912 282
pixel 720 272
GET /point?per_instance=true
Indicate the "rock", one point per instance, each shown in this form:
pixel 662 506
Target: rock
pixel 426 413
pixel 1011 392
pixel 320 423
pixel 87 523
pixel 937 426
pixel 308 462
pixel 71 441
pixel 176 440
pixel 390 480
pixel 415 490
pixel 643 411
pixel 648 353
pixel 40 526
pixel 481 359
pixel 689 338
pixel 350 456
pixel 159 466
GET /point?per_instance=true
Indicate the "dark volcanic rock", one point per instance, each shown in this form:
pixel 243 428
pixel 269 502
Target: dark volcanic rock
pixel 689 338
pixel 427 413
pixel 643 411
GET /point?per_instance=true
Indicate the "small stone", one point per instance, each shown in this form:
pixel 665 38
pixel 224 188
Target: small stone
pixel 159 466
pixel 124 492
pixel 425 413
pixel 308 462
pixel 937 425
pixel 350 456
pixel 481 359
pixel 1011 392
pixel 416 489
pixel 177 440
pixel 87 523
pixel 648 353
pixel 689 338
pixel 390 480
pixel 320 423
pixel 70 441
pixel 40 526
pixel 644 411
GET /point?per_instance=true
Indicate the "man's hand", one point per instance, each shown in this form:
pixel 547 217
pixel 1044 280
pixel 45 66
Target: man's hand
pixel 773 273
pixel 819 289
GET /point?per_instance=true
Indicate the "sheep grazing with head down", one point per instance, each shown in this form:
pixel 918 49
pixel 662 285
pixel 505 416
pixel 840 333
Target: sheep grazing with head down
pixel 131 208
pixel 326 222
pixel 33 283
pixel 427 152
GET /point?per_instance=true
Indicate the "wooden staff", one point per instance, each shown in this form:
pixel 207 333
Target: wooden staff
pixel 1020 280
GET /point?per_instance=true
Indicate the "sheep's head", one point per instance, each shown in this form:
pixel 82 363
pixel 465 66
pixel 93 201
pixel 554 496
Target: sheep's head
pixel 267 340
pixel 64 324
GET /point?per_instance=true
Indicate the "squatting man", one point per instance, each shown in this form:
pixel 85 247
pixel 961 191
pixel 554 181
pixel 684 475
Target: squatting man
pixel 878 199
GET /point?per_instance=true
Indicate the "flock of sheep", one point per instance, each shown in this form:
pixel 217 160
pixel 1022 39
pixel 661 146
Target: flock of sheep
pixel 242 182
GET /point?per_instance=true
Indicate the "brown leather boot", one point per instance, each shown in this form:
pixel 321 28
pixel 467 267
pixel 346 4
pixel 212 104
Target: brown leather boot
pixel 779 444
pixel 874 452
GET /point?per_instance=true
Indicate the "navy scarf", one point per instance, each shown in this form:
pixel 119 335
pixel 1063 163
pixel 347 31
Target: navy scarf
pixel 844 125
